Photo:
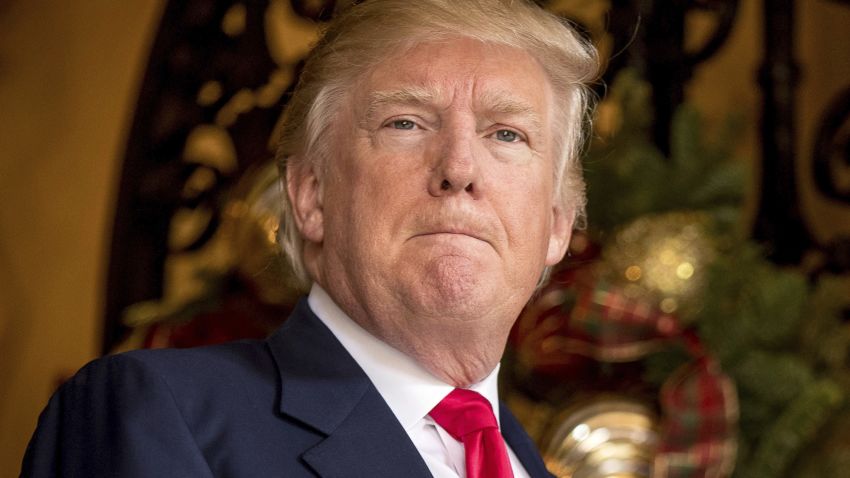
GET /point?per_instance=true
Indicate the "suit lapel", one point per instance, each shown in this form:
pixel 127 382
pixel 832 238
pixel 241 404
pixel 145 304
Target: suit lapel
pixel 521 444
pixel 323 388
pixel 370 441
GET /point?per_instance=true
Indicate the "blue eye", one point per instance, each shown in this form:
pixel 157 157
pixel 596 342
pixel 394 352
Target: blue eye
pixel 507 136
pixel 403 124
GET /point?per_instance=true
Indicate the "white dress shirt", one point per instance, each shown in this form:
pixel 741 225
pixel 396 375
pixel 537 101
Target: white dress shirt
pixel 409 390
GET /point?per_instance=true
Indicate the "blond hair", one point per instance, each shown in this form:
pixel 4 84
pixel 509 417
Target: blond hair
pixel 368 33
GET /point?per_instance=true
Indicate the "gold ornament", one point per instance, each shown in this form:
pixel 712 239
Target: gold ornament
pixel 608 437
pixel 662 259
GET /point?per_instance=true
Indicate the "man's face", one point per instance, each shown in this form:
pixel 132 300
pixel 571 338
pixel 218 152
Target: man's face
pixel 436 208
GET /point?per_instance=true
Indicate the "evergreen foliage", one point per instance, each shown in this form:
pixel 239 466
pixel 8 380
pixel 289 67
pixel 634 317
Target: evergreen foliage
pixel 776 332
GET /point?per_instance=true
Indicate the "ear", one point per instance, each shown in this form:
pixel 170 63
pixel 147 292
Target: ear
pixel 303 188
pixel 559 235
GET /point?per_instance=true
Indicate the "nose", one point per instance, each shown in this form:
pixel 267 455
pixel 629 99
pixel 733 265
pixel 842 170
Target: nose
pixel 457 167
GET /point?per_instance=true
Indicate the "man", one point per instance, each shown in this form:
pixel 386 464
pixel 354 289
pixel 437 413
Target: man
pixel 430 163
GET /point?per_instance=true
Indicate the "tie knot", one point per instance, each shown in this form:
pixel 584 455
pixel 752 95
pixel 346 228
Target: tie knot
pixel 463 412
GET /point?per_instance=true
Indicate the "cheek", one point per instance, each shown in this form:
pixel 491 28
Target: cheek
pixel 385 178
pixel 372 202
pixel 528 211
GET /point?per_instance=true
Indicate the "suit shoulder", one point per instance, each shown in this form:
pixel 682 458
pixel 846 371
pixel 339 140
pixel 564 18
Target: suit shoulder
pixel 122 415
pixel 199 368
pixel 184 374
pixel 198 360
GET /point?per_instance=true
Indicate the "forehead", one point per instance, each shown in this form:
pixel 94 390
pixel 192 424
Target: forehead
pixel 445 72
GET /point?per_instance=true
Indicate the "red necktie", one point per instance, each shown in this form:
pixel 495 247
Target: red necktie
pixel 468 417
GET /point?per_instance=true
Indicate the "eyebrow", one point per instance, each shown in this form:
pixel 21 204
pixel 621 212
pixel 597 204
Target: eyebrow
pixel 413 96
pixel 492 102
pixel 502 102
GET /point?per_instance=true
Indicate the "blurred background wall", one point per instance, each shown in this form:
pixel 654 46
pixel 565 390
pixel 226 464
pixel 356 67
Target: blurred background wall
pixel 69 74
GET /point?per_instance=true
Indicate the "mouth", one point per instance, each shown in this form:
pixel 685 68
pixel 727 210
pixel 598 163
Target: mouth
pixel 456 226
pixel 452 232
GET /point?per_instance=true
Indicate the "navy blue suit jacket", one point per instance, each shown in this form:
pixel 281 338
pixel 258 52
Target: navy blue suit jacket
pixel 294 405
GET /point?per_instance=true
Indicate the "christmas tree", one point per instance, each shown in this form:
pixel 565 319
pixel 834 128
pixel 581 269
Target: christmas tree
pixel 745 363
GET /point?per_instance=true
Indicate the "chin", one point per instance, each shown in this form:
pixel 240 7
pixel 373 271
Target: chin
pixel 456 286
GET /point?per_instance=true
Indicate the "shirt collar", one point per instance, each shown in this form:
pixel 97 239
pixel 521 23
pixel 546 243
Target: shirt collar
pixel 409 390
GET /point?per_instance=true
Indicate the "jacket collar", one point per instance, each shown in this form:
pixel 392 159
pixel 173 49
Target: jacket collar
pixel 521 444
pixel 322 387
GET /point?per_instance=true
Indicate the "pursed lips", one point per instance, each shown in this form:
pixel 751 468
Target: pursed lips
pixel 457 231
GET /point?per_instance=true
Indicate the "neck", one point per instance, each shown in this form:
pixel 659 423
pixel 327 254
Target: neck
pixel 459 350
pixel 460 364
pixel 441 362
